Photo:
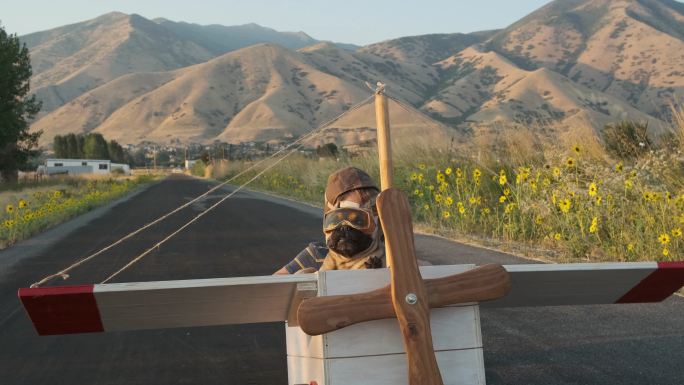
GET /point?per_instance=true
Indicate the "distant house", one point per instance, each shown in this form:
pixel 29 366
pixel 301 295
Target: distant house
pixel 82 166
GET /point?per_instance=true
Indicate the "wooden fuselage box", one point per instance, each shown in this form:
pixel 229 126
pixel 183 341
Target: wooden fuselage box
pixel 373 352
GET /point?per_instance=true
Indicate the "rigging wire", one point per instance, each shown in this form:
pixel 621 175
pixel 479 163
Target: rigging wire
pixel 298 143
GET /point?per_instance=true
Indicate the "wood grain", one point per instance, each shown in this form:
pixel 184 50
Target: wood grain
pixel 414 318
pixel 384 141
pixel 325 314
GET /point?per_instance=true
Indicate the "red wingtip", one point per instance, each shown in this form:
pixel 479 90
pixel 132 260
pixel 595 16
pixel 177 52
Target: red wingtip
pixel 62 309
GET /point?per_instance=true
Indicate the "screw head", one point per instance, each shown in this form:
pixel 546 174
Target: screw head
pixel 411 299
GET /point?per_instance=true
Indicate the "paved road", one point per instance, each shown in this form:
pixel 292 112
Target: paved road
pixel 255 234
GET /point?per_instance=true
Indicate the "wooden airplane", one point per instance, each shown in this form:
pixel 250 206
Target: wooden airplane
pixel 340 325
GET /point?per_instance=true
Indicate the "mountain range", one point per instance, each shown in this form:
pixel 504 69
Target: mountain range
pixel 571 63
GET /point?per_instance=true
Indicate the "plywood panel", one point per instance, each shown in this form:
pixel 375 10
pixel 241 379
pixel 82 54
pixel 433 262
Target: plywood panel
pixel 458 367
pixel 452 328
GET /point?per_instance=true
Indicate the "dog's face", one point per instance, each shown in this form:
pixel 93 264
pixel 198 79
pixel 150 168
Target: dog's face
pixel 347 241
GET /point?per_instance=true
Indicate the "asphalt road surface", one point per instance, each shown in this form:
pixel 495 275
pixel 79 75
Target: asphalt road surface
pixel 254 234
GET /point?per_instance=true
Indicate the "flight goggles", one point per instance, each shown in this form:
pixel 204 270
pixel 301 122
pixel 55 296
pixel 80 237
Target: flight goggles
pixel 358 218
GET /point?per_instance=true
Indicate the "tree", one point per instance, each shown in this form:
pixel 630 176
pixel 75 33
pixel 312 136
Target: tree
pixel 327 150
pixel 59 146
pixel 17 108
pixel 71 147
pixel 116 152
pixel 95 147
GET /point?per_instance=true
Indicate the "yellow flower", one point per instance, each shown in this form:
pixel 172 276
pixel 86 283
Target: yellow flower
pixel 577 149
pixel 556 172
pixel 570 162
pixel 420 177
pixel 502 199
pixel 22 204
pixel 677 232
pixel 414 176
pixel 448 201
pixel 416 192
pixel 628 184
pixel 681 218
pixel 443 187
pixel 57 194
pixel 486 210
pixel 630 247
pixel 546 182
pixel 565 205
pixel 619 167
pixel 446 214
pixel 421 166
pixel 459 173
pixel 533 184
pixel 598 201
pixel 448 171
pixel 440 177
pixel 664 239
pixel 461 210
pixel 557 236
pixel 538 220
pixel 666 251
pixel 9 209
pixel 502 179
pixel 426 206
pixel 594 225
pixel 509 208
pixel 507 191
pixel 431 187
pixel 476 176
pixel 593 189
pixel 472 200
pixel 438 197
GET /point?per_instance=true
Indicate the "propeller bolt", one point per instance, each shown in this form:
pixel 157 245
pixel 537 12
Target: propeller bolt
pixel 411 299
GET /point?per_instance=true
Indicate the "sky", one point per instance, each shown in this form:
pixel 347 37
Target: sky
pixel 349 21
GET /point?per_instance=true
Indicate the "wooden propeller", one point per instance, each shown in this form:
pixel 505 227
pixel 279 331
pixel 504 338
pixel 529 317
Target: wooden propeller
pixel 408 297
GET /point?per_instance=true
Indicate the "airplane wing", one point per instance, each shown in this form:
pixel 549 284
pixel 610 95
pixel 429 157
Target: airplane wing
pixel 222 301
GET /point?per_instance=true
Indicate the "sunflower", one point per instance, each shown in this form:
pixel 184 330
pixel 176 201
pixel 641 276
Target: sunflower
pixel 421 166
pixel 557 172
pixel 593 189
pixel 9 209
pixel 477 173
pixel 448 171
pixel 664 239
pixel 565 205
pixel 594 225
pixel 557 236
pixel 502 199
pixel 677 232
pixel 414 176
pixel 502 179
pixel 619 167
pixel 628 184
pixel 576 148
pixel 446 214
pixel 448 201
pixel 22 204
pixel 666 251
pixel 570 162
